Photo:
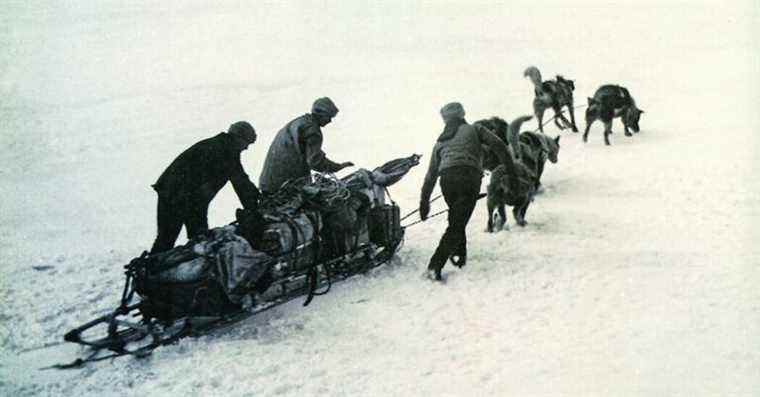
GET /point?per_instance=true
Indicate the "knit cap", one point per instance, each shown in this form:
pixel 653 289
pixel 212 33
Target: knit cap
pixel 452 110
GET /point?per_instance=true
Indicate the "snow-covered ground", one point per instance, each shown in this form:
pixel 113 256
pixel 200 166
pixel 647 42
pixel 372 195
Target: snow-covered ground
pixel 637 274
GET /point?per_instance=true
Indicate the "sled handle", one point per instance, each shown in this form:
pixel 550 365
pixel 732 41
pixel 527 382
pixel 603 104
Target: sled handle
pixel 75 335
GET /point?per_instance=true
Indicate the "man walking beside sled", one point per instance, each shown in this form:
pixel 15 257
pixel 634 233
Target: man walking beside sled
pixel 297 148
pixel 188 185
pixel 457 158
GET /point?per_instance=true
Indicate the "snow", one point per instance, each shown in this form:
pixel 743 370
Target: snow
pixel 636 275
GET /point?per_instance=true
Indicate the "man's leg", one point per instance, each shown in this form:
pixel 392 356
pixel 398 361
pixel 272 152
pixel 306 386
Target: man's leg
pixel 460 190
pixel 169 225
pixel 449 241
pixel 196 220
pixel 469 200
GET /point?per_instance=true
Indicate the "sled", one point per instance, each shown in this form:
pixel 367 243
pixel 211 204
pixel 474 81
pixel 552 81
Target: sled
pixel 301 240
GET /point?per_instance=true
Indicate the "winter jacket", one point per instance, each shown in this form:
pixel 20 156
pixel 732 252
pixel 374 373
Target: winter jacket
pixel 295 151
pixel 199 172
pixel 465 147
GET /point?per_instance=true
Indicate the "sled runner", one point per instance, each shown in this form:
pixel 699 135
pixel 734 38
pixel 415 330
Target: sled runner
pixel 301 239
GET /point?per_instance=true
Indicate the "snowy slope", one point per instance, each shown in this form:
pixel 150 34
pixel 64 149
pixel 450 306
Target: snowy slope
pixel 637 274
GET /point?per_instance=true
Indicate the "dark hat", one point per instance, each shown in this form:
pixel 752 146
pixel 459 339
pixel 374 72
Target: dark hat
pixel 325 107
pixel 452 110
pixel 243 130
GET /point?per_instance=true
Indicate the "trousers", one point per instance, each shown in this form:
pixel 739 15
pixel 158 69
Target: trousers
pixel 171 215
pixel 460 187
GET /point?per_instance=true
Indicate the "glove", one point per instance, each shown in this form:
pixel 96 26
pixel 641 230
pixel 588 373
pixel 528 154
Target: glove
pixel 346 164
pixel 424 209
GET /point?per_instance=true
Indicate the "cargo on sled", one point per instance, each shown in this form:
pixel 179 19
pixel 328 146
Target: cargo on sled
pixel 301 239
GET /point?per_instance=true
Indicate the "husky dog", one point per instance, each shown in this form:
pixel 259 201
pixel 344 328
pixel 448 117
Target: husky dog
pixel 534 149
pixel 554 94
pixel 500 128
pixel 497 126
pixel 612 101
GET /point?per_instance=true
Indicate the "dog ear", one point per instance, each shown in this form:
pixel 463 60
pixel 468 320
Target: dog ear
pixel 641 111
pixel 590 101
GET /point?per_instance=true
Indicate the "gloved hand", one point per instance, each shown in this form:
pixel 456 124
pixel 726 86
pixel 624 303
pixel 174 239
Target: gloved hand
pixel 424 209
pixel 346 164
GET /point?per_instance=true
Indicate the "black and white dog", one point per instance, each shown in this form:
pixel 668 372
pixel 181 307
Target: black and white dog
pixel 611 101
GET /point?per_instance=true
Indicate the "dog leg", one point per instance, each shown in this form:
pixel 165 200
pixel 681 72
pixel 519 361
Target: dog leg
pixel 627 132
pixel 572 117
pixel 539 172
pixel 490 208
pixel 523 211
pixel 502 217
pixel 517 213
pixel 607 132
pixel 590 118
pixel 556 121
pixel 559 116
pixel 588 127
pixel 538 110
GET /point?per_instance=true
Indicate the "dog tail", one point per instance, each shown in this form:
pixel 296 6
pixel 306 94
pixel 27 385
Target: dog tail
pixel 535 76
pixel 514 133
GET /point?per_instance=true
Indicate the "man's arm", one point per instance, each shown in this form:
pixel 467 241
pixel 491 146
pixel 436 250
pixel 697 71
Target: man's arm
pixel 427 187
pixel 498 147
pixel 246 190
pixel 431 177
pixel 315 157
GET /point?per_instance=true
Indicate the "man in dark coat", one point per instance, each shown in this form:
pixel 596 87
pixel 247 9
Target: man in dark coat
pixel 297 148
pixel 188 185
pixel 458 159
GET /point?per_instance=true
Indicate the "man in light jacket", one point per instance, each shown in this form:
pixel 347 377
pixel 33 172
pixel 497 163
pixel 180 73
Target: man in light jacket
pixel 297 149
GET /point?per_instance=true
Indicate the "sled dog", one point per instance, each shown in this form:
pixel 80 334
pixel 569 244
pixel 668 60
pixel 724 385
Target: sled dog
pixel 554 94
pixel 500 128
pixel 609 102
pixel 534 149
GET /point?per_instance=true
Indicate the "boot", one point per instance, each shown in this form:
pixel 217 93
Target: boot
pixel 433 274
pixel 458 260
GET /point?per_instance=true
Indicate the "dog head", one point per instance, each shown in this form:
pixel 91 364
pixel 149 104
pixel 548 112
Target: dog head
pixel 631 118
pixel 540 142
pixel 570 84
pixel 565 88
pixel 553 152
pixel 497 126
pixel 500 128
